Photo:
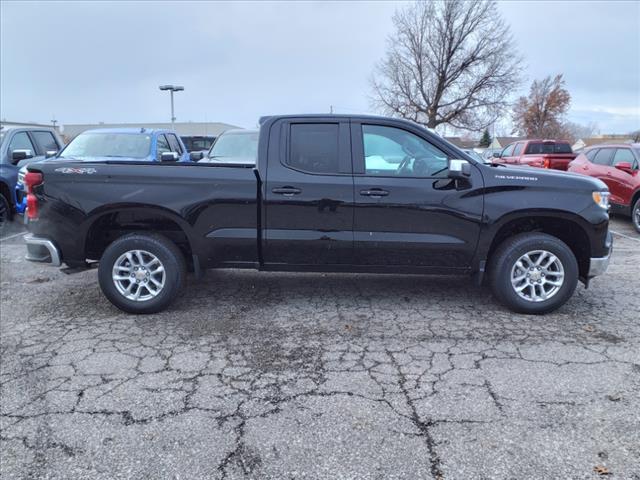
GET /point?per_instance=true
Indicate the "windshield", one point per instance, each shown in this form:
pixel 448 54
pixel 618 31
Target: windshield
pixel 117 145
pixel 235 145
pixel 548 147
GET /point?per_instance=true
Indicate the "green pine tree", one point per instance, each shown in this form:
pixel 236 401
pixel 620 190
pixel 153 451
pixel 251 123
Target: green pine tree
pixel 485 141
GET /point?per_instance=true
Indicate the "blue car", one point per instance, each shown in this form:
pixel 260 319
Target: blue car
pixel 122 144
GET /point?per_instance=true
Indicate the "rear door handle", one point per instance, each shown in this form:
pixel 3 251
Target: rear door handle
pixel 374 193
pixel 287 191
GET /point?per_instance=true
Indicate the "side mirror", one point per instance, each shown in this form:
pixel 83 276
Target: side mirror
pixel 195 156
pixel 18 155
pixel 497 154
pixel 169 157
pixel 459 168
pixel 625 167
pixel 50 153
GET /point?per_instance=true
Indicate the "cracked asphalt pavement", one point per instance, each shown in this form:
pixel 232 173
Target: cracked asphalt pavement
pixel 282 375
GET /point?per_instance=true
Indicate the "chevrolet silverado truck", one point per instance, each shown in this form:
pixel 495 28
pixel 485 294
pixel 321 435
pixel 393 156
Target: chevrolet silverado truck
pixel 554 154
pixel 326 194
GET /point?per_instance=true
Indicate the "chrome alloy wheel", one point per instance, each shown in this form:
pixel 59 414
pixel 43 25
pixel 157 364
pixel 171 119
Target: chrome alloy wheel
pixel 636 215
pixel 138 275
pixel 537 276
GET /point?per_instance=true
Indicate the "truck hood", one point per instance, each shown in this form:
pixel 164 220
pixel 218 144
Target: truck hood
pixel 546 177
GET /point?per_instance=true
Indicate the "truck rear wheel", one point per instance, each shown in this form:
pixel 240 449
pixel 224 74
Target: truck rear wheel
pixel 141 273
pixel 533 273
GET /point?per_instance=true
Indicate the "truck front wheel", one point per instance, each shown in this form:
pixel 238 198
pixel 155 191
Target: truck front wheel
pixel 141 273
pixel 635 215
pixel 5 212
pixel 533 273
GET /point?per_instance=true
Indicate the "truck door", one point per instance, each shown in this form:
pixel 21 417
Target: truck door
pixel 407 212
pixel 308 194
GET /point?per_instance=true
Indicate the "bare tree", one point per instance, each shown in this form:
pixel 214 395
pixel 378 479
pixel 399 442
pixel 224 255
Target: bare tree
pixel 541 114
pixel 449 62
pixel 575 131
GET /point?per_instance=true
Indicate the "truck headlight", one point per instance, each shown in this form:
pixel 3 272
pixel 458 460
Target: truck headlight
pixel 601 199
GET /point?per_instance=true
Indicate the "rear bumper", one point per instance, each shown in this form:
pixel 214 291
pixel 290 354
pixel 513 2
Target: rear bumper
pixel 599 265
pixel 42 250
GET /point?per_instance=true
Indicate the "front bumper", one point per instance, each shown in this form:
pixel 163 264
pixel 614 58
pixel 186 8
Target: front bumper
pixel 42 250
pixel 599 265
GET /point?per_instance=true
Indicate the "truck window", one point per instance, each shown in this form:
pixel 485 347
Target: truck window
pixel 21 141
pixel 313 147
pixel 162 146
pixel 603 157
pixel 508 151
pixel 540 148
pixel 518 149
pixel 175 144
pixel 390 151
pixel 45 141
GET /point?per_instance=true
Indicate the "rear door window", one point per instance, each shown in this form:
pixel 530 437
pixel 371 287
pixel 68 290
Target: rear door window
pixel 314 147
pixel 623 155
pixel 540 148
pixel 603 157
pixel 45 141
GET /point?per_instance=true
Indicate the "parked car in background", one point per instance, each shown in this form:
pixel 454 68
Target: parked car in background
pixel 327 193
pixel 475 155
pixel 198 143
pixel 19 147
pixel 234 146
pixel 487 154
pixel 619 167
pixel 554 154
pixel 119 144
pixel 136 144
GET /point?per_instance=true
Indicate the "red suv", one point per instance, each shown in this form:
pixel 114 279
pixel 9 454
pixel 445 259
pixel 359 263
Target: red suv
pixel 618 167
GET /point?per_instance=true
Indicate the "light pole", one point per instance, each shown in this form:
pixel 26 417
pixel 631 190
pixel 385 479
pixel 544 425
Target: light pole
pixel 172 88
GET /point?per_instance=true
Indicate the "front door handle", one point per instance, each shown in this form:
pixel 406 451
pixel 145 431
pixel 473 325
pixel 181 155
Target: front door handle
pixel 374 193
pixel 287 191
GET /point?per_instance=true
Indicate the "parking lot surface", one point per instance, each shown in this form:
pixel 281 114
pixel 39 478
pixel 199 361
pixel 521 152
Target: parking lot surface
pixel 265 375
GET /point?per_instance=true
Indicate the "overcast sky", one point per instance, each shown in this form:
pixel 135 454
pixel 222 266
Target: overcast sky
pixel 91 62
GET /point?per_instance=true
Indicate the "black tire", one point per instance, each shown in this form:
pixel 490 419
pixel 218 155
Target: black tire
pixel 502 265
pixel 5 212
pixel 635 215
pixel 170 258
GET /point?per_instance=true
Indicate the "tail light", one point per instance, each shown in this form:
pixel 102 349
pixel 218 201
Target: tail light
pixel 32 179
pixel 546 163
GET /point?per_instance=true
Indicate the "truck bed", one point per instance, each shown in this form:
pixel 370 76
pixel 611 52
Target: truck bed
pixel 201 199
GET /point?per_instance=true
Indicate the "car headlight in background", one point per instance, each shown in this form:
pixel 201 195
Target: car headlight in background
pixel 601 199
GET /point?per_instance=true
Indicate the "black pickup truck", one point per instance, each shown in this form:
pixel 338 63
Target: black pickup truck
pixel 327 193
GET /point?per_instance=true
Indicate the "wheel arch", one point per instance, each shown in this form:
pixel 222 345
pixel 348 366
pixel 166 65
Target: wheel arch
pixel 107 225
pixel 569 228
